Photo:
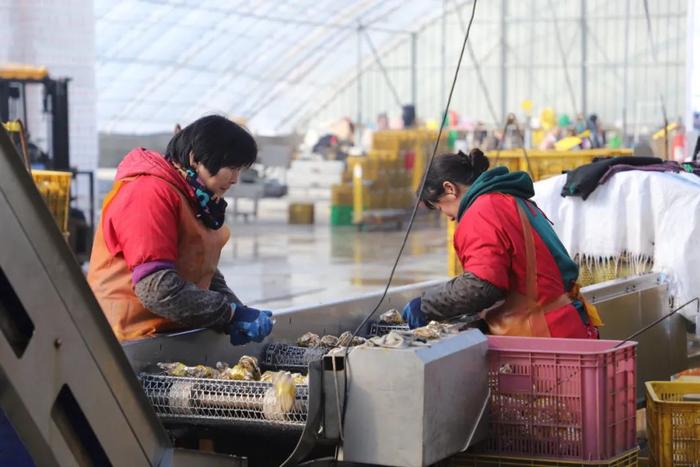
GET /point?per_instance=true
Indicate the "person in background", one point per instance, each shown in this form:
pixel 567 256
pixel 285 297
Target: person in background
pixel 517 275
pixel 154 261
pixel 597 137
pixel 382 121
pixel 550 138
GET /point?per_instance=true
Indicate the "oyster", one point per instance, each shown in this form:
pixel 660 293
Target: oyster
pixel 392 340
pixel 392 317
pixel 201 371
pixel 182 370
pixel 347 340
pixel 328 341
pixel 426 333
pixel 237 373
pixel 245 370
pixel 309 340
pixel 251 365
pixel 173 369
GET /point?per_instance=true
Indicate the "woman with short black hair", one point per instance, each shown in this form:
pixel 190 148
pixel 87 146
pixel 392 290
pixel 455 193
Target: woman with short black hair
pixel 154 260
pixel 517 275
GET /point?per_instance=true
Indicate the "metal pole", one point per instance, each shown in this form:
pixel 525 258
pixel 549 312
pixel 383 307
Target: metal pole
pixel 531 67
pixel 562 55
pixel 414 69
pixel 477 69
pixel 504 78
pixel 584 46
pixel 625 70
pixel 692 69
pixel 358 124
pixel 443 50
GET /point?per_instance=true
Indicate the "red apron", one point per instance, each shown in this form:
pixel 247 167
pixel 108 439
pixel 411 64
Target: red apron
pixel 199 249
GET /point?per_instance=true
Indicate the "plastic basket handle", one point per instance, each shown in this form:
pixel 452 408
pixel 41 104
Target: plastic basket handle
pixel 16 126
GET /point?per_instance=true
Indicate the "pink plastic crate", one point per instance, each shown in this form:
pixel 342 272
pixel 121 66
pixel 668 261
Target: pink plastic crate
pixel 561 398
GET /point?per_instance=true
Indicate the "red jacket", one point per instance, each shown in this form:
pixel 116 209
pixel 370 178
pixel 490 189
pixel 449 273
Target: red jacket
pixel 490 244
pixel 150 231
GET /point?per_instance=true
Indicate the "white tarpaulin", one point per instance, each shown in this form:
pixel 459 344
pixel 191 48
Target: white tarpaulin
pixel 639 214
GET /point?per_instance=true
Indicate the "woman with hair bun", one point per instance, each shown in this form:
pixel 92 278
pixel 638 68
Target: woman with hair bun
pixel 517 275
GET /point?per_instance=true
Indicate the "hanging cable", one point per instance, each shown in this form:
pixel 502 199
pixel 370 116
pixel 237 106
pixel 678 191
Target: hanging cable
pixel 415 205
pixel 423 178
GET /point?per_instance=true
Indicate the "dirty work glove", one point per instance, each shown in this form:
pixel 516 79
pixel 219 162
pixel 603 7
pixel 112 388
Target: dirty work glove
pixel 412 315
pixel 249 324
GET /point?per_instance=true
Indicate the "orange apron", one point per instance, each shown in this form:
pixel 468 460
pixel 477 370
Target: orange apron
pixel 198 252
pixel 524 315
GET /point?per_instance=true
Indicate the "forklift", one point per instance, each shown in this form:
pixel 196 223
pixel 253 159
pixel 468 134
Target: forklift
pixel 15 84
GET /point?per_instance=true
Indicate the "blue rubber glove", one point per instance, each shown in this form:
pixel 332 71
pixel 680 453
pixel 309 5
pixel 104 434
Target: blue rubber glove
pixel 412 315
pixel 249 324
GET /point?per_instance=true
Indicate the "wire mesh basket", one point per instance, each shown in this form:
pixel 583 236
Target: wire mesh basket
pixel 291 357
pixel 377 328
pixel 212 401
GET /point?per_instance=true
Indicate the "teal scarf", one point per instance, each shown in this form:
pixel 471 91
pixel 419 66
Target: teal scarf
pixel 519 185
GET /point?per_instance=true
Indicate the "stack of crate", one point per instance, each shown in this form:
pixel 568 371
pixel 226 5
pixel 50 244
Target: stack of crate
pixel 388 175
pixel 383 183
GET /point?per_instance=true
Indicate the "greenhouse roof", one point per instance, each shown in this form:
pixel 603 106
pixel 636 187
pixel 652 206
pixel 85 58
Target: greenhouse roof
pixel 162 62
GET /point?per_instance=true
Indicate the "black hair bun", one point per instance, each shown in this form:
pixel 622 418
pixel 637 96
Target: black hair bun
pixel 479 161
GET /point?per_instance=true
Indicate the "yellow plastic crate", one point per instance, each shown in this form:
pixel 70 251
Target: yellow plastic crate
pixel 454 266
pixel 673 423
pixel 55 189
pixel 301 213
pixel 545 164
pixel 630 458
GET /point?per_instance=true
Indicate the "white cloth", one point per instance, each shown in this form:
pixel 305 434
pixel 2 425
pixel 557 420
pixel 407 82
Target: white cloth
pixel 643 214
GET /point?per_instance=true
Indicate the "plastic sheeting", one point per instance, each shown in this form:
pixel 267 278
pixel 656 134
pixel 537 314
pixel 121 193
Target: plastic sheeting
pixel 638 215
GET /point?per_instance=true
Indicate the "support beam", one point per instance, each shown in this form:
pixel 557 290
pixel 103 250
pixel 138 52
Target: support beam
pixel 414 69
pixel 504 50
pixel 382 68
pixel 531 50
pixel 625 73
pixel 358 123
pixel 443 51
pixel 584 58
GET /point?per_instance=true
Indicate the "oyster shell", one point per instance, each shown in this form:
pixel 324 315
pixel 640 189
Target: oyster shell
pixel 309 340
pixel 251 365
pixel 182 370
pixel 329 341
pixel 427 333
pixel 173 369
pixel 237 373
pixel 347 340
pixel 392 317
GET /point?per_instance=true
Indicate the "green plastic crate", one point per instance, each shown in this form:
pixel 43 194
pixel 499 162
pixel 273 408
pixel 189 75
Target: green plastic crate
pixel 341 215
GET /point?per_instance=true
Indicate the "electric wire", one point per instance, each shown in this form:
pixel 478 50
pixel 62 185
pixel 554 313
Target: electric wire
pixel 413 212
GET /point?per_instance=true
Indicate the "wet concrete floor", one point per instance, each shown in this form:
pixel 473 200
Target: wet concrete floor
pixel 269 263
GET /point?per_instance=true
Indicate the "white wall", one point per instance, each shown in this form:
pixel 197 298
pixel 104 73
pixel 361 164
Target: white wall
pixel 60 35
